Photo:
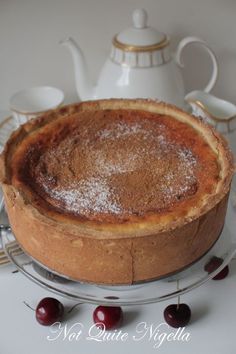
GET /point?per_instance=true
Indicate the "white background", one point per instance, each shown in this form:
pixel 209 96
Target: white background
pixel 30 55
pixel 30 31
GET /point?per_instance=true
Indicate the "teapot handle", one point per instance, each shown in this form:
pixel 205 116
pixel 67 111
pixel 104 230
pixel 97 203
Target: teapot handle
pixel 190 40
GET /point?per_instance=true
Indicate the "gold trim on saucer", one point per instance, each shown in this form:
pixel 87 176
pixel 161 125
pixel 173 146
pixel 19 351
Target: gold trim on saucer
pixel 145 48
pixel 5 120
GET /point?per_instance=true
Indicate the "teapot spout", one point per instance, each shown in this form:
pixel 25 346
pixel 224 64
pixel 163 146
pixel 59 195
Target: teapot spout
pixel 84 86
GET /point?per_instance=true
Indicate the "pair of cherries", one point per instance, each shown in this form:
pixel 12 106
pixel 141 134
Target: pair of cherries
pixel 178 315
pixel 50 310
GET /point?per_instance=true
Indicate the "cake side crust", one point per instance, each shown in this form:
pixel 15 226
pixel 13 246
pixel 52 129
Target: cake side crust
pixel 113 261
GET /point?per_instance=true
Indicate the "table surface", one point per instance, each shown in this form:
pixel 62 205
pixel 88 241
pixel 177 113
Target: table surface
pixel 212 327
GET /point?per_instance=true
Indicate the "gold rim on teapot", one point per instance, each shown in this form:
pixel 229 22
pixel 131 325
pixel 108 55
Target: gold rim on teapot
pixel 145 48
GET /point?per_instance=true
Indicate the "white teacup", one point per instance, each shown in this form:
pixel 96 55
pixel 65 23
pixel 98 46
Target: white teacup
pixel 29 103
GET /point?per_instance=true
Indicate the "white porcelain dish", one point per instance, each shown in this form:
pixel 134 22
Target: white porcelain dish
pixel 31 102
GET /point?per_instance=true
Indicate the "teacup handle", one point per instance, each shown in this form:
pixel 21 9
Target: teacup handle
pixel 191 40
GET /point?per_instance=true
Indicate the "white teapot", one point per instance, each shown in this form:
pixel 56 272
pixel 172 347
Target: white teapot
pixel 140 65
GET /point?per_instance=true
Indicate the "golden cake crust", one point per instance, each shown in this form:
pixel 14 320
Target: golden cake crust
pixel 138 249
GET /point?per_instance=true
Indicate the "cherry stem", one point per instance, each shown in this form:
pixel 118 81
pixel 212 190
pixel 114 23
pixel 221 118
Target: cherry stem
pixel 28 306
pixel 178 303
pixel 73 307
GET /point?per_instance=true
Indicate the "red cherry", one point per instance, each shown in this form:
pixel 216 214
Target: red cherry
pixel 213 264
pixel 49 311
pixel 108 316
pixel 222 274
pixel 177 315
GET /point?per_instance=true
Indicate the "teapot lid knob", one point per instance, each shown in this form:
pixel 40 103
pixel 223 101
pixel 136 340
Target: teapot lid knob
pixel 140 37
pixel 140 18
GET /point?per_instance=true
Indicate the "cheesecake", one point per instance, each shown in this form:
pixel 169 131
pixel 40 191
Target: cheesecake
pixel 116 191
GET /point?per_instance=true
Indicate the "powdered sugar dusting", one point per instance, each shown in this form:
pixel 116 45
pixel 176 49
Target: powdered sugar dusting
pixel 121 130
pixel 185 168
pixel 91 195
pixel 118 167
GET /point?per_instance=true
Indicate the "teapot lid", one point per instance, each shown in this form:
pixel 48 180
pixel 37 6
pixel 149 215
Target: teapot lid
pixel 140 37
